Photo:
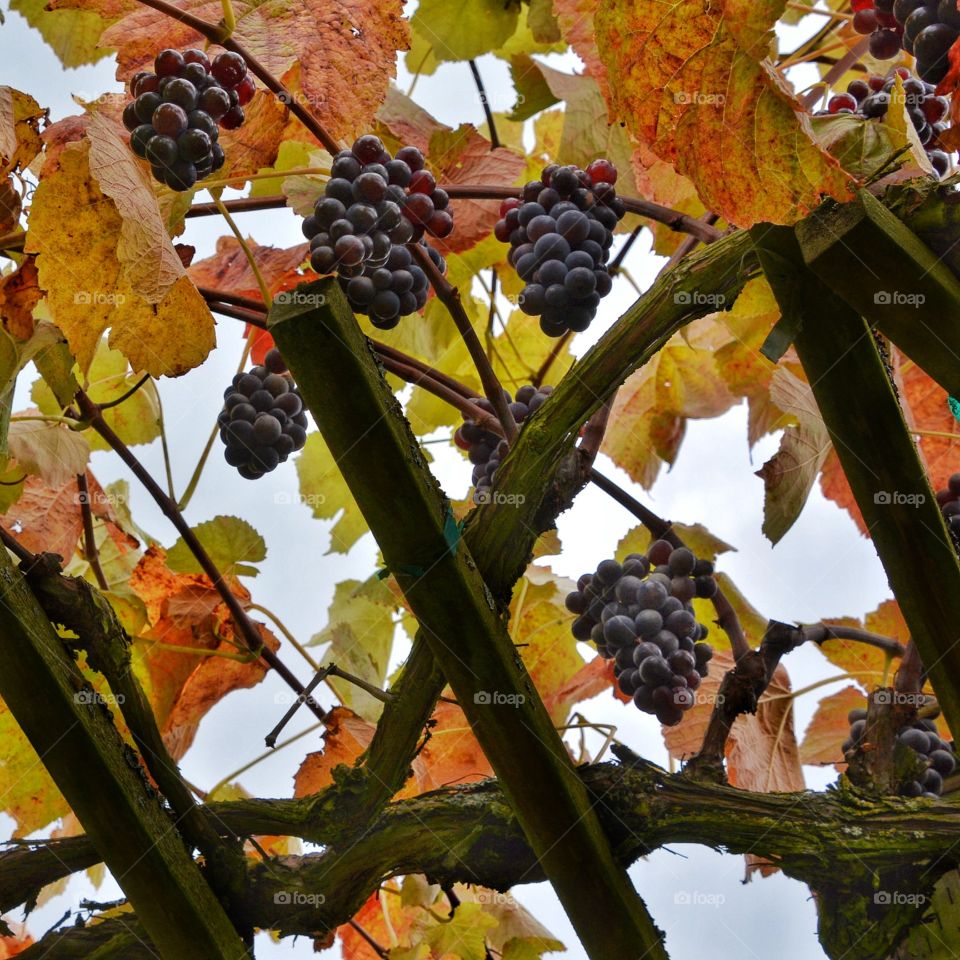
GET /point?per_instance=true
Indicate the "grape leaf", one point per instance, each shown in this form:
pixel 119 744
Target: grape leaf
pixel 19 294
pixel 695 84
pixel 75 230
pixel 463 156
pixel 352 39
pixel 228 269
pixel 788 476
pixel 30 796
pixel 135 421
pixel 649 414
pixel 829 728
pixel 462 31
pixel 73 35
pixel 150 264
pixel 231 543
pixel 360 632
pixel 324 490
pixel 51 450
pixel 345 737
pixel 20 117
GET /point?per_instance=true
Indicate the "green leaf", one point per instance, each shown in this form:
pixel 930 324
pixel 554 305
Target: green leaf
pixel 72 34
pixel 360 632
pixel 464 936
pixel 232 543
pixel 135 421
pixel 533 91
pixel 462 31
pixel 323 489
pixel 51 450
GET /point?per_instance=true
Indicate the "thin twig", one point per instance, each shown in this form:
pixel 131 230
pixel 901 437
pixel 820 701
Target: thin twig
pixel 89 542
pixel 224 296
pixel 377 949
pixel 819 632
pixel 15 547
pixel 614 264
pixel 449 296
pixel 238 313
pixel 127 395
pixel 384 696
pixel 319 676
pixel 243 205
pixel 491 126
pixel 247 629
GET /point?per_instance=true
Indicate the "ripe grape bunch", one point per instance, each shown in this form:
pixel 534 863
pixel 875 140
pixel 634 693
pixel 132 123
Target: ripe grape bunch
pixel 949 501
pixel 870 98
pixel 639 614
pixel 175 117
pixel 560 230
pixel 262 421
pixel 926 29
pixel 372 205
pixel 487 449
pixel 921 736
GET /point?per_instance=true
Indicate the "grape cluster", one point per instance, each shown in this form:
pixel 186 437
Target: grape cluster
pixel 175 117
pixel 371 203
pixel 486 449
pixel 262 421
pixel 386 291
pixel 874 18
pixel 949 501
pixel 870 98
pixel 926 29
pixel 639 615
pixel 921 736
pixel 560 230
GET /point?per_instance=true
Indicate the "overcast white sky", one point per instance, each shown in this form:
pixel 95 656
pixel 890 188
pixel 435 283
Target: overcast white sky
pixel 821 568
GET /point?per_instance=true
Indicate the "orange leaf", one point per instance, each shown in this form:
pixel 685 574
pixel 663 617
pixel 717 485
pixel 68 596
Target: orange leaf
pixel 228 269
pixel 19 294
pixel 694 83
pixel 829 728
pixel 346 51
pixel 346 736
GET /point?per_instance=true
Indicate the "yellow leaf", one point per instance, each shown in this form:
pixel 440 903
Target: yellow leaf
pixel 694 82
pixel 75 231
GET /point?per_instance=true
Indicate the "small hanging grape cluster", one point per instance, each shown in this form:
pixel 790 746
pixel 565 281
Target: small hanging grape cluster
pixel 175 117
pixel 372 204
pixel 934 753
pixel 639 614
pixel 926 29
pixel 870 98
pixel 486 449
pixel 949 501
pixel 262 421
pixel 560 230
